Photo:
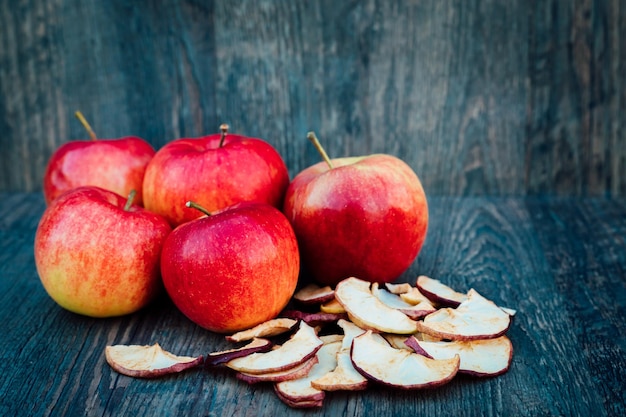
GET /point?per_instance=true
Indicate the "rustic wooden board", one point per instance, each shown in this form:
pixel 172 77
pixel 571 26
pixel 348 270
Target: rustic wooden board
pixel 478 97
pixel 560 262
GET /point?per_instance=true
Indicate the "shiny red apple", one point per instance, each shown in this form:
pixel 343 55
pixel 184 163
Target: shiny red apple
pixel 117 165
pixel 215 171
pixel 233 269
pixel 98 255
pixel 363 217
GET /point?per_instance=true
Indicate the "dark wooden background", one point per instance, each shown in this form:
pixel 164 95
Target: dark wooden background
pixel 515 97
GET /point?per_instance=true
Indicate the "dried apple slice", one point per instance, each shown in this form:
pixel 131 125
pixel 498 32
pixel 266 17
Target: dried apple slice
pixel 414 297
pixel 400 288
pixel 268 328
pixel 399 368
pixel 333 306
pixel 296 372
pixel 344 376
pixel 423 336
pixel 300 390
pixel 397 341
pixel 314 294
pixel 143 361
pixel 256 345
pixel 350 331
pixel 394 301
pixel 475 318
pixel 369 312
pixel 331 338
pixel 313 319
pixel 300 347
pixel 511 312
pixel 300 403
pixel 438 292
pixel 484 357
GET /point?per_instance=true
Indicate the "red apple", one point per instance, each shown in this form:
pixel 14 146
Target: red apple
pixel 233 269
pixel 215 171
pixel 97 255
pixel 117 165
pixel 364 216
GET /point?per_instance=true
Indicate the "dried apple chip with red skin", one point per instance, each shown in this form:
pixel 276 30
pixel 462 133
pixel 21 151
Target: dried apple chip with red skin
pixel 399 368
pixel 268 328
pixel 298 371
pixel 344 377
pixel 314 294
pixel 255 345
pixel 147 361
pixel 414 343
pixel 484 357
pixel 300 390
pixel 313 319
pixel 369 312
pixel 475 318
pixel 413 311
pixel 301 346
pixel 301 404
pixel 438 292
pixel 442 294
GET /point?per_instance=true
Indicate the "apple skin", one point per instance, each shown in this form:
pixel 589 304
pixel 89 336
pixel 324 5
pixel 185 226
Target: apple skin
pixel 198 169
pixel 117 165
pixel 367 218
pixel 96 259
pixel 234 269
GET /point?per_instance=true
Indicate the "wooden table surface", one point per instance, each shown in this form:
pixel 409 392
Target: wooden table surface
pixel 560 262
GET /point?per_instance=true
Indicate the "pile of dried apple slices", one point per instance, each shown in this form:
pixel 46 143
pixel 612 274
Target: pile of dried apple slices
pixel 398 335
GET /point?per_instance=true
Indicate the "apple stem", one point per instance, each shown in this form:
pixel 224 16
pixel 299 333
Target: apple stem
pixel 224 129
pixel 84 122
pixel 129 200
pixel 311 136
pixel 192 204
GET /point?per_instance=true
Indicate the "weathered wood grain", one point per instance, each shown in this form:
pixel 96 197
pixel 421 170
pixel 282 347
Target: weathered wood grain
pixel 480 98
pixel 576 98
pixel 585 245
pixel 559 262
